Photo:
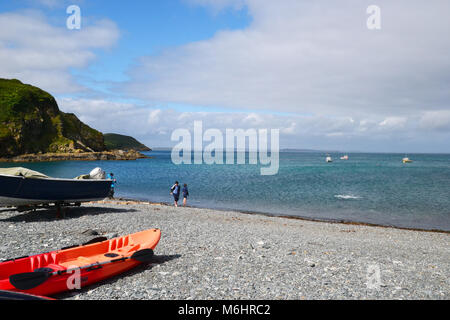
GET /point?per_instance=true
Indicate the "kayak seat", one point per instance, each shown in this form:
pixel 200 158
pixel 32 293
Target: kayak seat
pixel 76 262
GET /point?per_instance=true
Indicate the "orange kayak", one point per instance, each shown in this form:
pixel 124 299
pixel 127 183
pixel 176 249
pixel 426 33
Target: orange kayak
pixel 69 269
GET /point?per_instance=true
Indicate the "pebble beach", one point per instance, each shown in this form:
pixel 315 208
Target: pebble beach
pixel 213 255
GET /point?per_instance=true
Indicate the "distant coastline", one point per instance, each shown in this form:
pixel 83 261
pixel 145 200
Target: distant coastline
pixel 293 150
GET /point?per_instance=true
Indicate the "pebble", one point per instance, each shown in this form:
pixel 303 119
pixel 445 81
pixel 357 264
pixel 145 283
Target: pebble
pixel 207 254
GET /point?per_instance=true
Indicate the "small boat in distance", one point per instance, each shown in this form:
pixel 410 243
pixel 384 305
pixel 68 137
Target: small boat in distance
pixel 21 187
pixel 344 157
pixel 328 159
pixel 407 160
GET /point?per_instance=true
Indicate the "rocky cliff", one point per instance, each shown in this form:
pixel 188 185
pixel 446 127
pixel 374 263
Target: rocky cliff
pixel 31 122
pixel 32 128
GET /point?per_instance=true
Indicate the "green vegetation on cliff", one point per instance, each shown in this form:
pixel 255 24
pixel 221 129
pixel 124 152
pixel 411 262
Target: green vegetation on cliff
pixel 116 141
pixel 31 122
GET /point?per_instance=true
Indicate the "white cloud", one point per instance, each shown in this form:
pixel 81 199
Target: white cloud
pixel 108 116
pixel 436 120
pixel 344 86
pixel 154 126
pixel 38 53
pixel 395 123
pixel 310 57
pixel 154 116
pixel 253 119
pixel 290 130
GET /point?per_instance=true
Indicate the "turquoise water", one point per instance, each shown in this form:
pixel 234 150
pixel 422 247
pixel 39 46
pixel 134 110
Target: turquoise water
pixel 370 188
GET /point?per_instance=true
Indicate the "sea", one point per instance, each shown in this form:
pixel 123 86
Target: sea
pixel 372 188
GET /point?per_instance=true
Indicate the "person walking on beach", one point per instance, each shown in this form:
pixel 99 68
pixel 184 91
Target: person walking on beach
pixel 185 194
pixel 111 192
pixel 175 191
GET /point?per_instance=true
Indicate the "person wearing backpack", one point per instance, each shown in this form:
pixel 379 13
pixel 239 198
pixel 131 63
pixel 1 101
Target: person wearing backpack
pixel 175 191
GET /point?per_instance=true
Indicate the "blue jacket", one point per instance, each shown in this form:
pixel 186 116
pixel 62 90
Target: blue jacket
pixel 112 178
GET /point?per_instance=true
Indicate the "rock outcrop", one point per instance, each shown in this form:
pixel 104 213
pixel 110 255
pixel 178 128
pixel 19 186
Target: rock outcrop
pixel 32 128
pixel 31 122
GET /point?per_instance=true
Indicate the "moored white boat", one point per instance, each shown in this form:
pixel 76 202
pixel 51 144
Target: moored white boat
pixel 407 160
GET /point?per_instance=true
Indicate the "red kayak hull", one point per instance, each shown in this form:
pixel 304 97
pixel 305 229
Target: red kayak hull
pixel 61 260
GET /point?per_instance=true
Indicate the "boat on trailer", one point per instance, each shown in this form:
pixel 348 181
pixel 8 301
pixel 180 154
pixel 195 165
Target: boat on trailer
pixel 24 188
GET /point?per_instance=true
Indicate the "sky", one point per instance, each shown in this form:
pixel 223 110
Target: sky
pixel 312 69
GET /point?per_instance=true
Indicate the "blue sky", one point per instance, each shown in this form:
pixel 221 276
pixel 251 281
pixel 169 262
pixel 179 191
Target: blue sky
pixel 146 28
pixel 311 69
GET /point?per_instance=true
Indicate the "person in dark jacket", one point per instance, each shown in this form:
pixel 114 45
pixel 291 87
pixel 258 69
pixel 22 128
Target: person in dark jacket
pixel 175 191
pixel 185 194
pixel 113 184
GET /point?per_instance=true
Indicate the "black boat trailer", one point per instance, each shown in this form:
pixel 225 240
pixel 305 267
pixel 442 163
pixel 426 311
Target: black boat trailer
pixel 61 207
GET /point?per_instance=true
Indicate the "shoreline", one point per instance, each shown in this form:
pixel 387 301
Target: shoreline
pixel 265 214
pixel 118 155
pixel 207 254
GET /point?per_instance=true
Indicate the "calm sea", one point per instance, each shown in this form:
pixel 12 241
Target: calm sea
pixel 370 188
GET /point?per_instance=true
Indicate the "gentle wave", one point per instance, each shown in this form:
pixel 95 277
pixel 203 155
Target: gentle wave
pixel 346 196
